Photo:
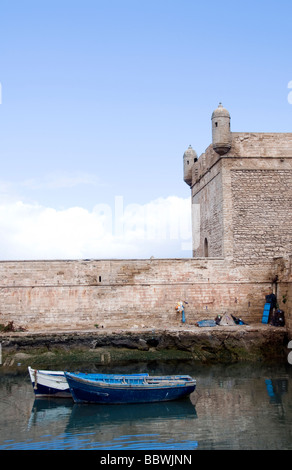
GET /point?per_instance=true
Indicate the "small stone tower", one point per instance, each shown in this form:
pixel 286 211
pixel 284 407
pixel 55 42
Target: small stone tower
pixel 190 157
pixel 221 134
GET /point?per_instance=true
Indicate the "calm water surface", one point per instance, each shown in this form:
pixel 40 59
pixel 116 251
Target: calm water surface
pixel 243 406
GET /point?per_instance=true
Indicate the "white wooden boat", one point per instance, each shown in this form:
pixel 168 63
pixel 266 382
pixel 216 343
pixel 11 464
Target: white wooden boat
pixel 48 383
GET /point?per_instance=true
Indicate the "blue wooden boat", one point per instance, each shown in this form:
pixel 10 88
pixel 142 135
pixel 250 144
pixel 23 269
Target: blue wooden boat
pixel 86 388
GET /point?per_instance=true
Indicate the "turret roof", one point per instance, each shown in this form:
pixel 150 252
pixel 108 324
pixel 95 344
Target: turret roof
pixel 220 111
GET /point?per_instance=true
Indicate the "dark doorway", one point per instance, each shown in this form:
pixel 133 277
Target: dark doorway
pixel 206 254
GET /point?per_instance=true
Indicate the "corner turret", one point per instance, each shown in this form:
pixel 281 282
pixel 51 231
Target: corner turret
pixel 221 134
pixel 190 157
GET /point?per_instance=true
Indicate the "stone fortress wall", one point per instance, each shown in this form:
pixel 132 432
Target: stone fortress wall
pixel 246 198
pixel 243 183
pixel 66 295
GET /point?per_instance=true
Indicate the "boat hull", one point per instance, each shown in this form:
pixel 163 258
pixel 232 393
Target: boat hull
pixel 49 383
pixel 92 391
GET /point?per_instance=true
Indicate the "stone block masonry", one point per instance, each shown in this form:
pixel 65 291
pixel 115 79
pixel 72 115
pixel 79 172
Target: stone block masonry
pixel 262 213
pixel 245 203
pixel 44 295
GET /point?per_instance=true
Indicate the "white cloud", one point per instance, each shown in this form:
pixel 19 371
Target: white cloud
pixel 158 228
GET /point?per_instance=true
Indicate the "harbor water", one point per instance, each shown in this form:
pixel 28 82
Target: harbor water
pixel 235 406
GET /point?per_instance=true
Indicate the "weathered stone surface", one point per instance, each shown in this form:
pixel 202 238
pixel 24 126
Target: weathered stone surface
pixel 134 293
pixel 245 198
pixel 223 344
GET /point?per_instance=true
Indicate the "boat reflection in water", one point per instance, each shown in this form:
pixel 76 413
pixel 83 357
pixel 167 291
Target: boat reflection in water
pixel 92 415
pixel 50 412
pixel 111 426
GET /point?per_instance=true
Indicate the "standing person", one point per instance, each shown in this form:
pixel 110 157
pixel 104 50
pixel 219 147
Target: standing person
pixel 183 318
pixel 180 308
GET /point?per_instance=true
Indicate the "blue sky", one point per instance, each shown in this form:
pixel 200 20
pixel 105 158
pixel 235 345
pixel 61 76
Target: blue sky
pixel 100 99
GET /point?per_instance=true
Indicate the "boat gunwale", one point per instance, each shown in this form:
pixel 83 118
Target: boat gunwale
pixel 162 384
pixel 53 373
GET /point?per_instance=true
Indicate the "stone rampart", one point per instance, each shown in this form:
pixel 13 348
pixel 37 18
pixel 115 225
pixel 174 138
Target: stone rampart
pixel 43 295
